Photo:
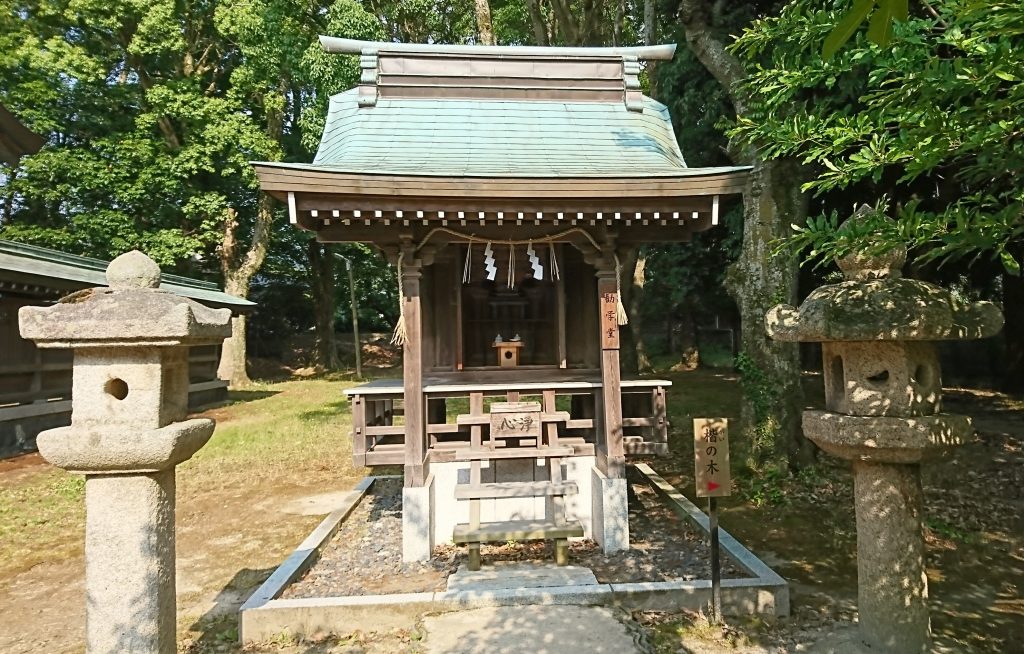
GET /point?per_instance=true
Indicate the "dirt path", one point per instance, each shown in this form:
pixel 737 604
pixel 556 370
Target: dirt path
pixel 228 543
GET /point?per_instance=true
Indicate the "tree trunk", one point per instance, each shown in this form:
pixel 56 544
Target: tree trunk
pixel 620 14
pixel 757 281
pixel 689 354
pixel 564 16
pixel 1013 333
pixel 540 27
pixel 483 22
pixel 321 272
pixel 238 273
pixel 633 292
pixel 650 25
pixel 773 396
pixel 8 196
pixel 629 361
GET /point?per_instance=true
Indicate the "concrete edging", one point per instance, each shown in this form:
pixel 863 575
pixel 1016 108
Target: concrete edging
pixel 263 616
pixel 306 554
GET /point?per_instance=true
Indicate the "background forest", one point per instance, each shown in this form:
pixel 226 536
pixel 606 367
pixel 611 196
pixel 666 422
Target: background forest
pixel 152 111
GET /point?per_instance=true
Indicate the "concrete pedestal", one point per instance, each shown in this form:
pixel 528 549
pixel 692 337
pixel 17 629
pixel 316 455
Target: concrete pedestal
pixel 418 521
pixel 893 587
pixel 430 512
pixel 610 508
pixel 129 563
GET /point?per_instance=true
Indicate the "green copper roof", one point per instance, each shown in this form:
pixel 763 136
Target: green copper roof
pixel 51 268
pixel 497 138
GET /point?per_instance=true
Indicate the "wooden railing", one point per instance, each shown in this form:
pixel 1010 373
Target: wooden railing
pixel 569 413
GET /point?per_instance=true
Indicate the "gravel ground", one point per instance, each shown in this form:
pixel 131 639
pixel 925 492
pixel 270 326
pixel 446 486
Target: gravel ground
pixel 365 556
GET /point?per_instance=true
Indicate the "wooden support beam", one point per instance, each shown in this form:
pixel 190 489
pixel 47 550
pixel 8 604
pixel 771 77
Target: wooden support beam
pixel 609 443
pixel 412 373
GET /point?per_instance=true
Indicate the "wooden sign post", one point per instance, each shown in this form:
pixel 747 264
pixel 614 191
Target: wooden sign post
pixel 711 461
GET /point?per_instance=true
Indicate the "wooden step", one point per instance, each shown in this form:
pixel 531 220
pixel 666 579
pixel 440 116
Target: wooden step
pixel 492 532
pixel 515 489
pixel 511 453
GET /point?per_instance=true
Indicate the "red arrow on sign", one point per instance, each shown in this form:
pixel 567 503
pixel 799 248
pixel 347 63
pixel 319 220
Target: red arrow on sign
pixel 712 485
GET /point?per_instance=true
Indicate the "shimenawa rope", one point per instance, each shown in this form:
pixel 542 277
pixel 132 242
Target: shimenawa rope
pixel 621 317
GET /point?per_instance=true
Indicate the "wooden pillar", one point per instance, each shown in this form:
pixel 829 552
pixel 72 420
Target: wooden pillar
pixel 412 374
pixel 610 454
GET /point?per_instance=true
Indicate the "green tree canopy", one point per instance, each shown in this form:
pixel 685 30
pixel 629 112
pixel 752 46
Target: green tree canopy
pixel 930 127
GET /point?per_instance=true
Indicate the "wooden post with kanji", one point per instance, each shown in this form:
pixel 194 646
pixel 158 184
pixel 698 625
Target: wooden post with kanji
pixel 711 472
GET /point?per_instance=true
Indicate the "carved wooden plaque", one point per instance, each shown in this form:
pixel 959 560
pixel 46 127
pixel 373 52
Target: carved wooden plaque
pixel 711 455
pixel 609 324
pixel 515 420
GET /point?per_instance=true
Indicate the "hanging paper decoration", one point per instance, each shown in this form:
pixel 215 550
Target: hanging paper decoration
pixel 511 265
pixel 538 269
pixel 489 266
pixel 554 262
pixel 467 273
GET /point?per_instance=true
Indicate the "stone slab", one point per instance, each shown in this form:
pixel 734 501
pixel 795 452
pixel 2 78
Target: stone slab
pixel 519 574
pixel 535 629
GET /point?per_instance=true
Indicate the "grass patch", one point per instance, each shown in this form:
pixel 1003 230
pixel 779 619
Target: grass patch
pixel 688 631
pixel 289 433
pixel 37 514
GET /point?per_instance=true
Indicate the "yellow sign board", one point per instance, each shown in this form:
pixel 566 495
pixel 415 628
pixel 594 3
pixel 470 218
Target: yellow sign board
pixel 711 456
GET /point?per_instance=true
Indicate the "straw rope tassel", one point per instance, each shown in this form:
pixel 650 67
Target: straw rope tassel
pixel 621 317
pixel 467 274
pixel 400 336
pixel 554 262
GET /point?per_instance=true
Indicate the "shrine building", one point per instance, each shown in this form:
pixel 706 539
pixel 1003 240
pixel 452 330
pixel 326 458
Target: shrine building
pixel 505 184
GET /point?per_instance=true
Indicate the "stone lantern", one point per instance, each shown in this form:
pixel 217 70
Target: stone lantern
pixel 883 397
pixel 128 432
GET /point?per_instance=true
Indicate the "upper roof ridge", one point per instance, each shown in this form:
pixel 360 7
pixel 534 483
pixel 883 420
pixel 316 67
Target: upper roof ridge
pixel 337 45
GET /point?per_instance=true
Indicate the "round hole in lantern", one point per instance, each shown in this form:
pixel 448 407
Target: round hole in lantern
pixel 118 388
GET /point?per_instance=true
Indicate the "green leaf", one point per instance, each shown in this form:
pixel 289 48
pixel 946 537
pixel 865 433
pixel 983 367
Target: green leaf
pixel 846 27
pixel 1012 265
pixel 880 28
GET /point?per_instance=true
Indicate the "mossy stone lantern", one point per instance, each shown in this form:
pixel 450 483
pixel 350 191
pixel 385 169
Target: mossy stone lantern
pixel 128 432
pixel 883 398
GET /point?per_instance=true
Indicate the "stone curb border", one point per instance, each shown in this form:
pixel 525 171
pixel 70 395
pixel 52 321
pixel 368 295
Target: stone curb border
pixel 688 510
pixel 264 617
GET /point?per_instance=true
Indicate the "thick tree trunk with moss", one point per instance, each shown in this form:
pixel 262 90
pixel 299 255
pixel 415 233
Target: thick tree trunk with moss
pixel 321 277
pixel 773 397
pixel 757 281
pixel 483 22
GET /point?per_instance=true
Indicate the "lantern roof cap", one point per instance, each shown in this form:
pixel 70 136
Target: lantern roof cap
pixel 132 312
